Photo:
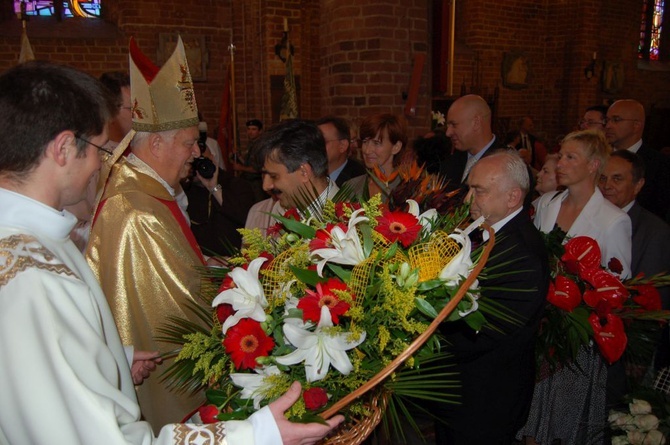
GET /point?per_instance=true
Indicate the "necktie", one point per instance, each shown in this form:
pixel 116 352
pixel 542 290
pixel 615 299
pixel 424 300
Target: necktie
pixel 468 165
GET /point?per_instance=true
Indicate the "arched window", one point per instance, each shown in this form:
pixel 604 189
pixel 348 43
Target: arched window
pixel 654 42
pixel 67 8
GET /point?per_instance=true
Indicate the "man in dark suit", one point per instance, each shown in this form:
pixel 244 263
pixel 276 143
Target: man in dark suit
pixel 469 128
pixel 535 151
pixel 621 181
pixel 497 364
pixel 336 132
pixel 624 128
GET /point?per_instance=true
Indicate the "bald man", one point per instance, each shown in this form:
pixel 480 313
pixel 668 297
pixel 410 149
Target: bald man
pixel 469 128
pixel 623 130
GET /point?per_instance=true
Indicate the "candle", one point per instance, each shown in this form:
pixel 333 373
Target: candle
pixel 286 26
pixel 594 55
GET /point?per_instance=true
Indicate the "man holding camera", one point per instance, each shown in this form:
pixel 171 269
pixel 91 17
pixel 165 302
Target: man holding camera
pixel 218 203
pixel 141 247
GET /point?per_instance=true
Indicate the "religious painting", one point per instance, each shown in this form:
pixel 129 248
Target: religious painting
pixel 515 71
pixel 612 77
pixel 196 53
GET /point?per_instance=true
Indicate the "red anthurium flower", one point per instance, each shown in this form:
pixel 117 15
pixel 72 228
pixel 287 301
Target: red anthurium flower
pixel 312 303
pixel 648 297
pixel 564 293
pixel 582 250
pixel 223 311
pixel 399 226
pixel 610 337
pixel 605 287
pixel 208 413
pixel 245 341
pixel 603 308
pixel 315 398
pixel 615 266
pixel 322 238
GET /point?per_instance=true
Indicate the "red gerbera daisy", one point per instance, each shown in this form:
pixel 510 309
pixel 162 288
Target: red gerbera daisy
pixel 399 226
pixel 245 342
pixel 311 304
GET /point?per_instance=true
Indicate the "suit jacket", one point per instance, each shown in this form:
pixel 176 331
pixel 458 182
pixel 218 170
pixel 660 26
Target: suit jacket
pixel 655 194
pixel 651 246
pixel 600 219
pixel 215 225
pixel 497 370
pixel 453 169
pixel 351 169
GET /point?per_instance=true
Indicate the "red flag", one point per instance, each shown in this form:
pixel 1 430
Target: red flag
pixel 225 136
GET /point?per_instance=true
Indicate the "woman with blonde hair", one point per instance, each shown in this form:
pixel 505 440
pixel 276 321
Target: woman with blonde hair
pixel 570 404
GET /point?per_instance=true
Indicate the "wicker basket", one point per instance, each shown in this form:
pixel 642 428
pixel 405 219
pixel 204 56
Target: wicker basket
pixel 357 430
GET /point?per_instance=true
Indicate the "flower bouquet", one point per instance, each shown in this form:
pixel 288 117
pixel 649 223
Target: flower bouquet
pixel 641 425
pixel 344 302
pixel 590 303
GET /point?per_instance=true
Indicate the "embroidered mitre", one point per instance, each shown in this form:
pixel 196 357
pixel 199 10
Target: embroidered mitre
pixel 161 98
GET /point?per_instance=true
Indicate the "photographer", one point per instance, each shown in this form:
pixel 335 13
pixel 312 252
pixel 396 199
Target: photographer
pixel 218 202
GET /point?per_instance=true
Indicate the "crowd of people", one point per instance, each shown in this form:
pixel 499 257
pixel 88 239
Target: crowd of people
pixel 105 226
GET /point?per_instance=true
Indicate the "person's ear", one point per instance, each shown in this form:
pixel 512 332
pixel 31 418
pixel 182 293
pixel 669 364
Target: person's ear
pixel 306 172
pixel 156 142
pixel 61 146
pixel 638 186
pixel 396 147
pixel 515 197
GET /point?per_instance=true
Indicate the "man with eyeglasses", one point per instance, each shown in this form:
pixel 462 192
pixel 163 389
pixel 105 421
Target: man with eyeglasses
pixel 594 118
pixel 623 130
pixel 336 133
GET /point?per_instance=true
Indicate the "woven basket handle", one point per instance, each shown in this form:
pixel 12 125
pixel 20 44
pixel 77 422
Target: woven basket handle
pixel 421 339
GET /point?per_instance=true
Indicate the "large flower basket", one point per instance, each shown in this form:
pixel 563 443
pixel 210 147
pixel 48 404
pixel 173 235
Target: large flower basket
pixel 347 304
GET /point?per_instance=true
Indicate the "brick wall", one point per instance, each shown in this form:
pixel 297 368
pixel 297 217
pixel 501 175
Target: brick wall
pixel 356 58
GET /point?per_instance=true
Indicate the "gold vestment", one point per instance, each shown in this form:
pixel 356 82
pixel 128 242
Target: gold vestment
pixel 148 272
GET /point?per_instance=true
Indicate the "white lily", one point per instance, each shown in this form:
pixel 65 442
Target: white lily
pixel 346 246
pixel 461 264
pixel 319 349
pixel 426 218
pixel 254 386
pixel 247 298
pixel 473 302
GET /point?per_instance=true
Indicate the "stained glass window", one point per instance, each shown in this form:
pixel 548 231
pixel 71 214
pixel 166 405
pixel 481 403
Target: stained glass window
pixel 71 8
pixel 650 29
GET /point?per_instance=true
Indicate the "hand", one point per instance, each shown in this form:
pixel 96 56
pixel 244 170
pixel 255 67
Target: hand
pixel 144 363
pixel 299 433
pixel 211 182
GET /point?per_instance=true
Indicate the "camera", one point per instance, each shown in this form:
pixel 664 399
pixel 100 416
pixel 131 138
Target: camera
pixel 201 164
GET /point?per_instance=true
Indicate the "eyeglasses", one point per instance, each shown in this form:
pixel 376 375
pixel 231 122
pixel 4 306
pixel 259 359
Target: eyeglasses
pixel 617 119
pixel 590 123
pixel 122 107
pixel 95 145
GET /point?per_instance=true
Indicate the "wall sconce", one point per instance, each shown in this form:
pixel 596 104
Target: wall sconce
pixel 590 69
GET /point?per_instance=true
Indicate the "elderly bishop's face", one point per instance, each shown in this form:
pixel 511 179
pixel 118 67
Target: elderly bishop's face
pixel 179 152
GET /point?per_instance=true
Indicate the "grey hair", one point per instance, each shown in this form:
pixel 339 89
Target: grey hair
pixel 516 171
pixel 141 136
